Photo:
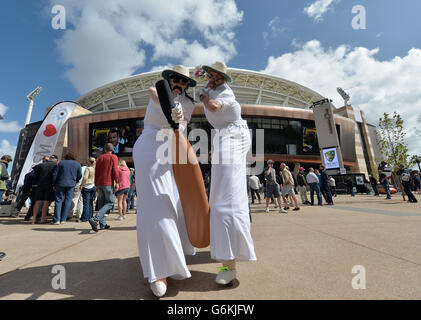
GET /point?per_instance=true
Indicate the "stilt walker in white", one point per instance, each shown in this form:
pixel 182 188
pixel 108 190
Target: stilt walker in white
pixel 230 237
pixel 161 229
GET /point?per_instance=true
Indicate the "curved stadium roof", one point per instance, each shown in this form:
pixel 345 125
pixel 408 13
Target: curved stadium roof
pixel 249 87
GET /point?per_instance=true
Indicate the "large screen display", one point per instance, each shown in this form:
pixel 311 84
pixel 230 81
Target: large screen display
pixel 122 134
pixel 330 157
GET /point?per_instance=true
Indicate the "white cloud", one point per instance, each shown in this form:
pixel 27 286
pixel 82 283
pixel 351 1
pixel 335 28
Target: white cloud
pixel 3 109
pixel 109 40
pixel 317 9
pixel 160 67
pixel 5 126
pixel 7 148
pixel 273 30
pixel 375 86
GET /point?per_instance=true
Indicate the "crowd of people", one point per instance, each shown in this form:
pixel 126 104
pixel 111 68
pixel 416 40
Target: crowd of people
pixel 281 187
pixel 76 189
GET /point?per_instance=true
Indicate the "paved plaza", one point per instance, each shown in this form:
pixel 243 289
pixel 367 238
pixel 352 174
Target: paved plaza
pixel 309 254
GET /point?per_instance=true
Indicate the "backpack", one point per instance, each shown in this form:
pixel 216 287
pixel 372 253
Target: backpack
pixel 406 176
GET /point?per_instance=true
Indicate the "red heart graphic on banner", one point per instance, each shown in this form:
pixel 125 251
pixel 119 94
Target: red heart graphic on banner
pixel 50 130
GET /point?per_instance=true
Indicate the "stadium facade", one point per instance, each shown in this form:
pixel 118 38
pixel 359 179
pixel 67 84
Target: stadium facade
pixel 280 107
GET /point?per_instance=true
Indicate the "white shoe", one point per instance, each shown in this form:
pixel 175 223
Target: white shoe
pixel 124 217
pixel 225 277
pixel 119 218
pixel 159 288
pixel 282 210
pixel 267 210
pixel 56 223
pixel 63 222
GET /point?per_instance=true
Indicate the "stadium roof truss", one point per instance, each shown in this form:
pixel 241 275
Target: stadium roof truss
pixel 249 88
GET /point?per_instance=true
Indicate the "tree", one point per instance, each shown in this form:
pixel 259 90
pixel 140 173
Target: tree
pixel 392 141
pixel 392 144
pixel 416 159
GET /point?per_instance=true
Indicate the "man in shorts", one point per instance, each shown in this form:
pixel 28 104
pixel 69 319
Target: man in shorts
pixel 288 187
pixel 272 187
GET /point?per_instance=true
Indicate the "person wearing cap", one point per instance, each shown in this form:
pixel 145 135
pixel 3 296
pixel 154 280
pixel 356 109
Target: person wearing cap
pixel 161 229
pixel 406 180
pixel 4 175
pixel 230 238
pixel 302 186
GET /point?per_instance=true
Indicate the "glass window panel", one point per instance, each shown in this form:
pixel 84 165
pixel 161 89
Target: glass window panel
pixel 291 149
pixel 284 123
pixel 295 124
pixel 266 123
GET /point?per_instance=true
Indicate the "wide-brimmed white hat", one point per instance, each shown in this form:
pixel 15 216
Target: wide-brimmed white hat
pixel 219 67
pixel 181 71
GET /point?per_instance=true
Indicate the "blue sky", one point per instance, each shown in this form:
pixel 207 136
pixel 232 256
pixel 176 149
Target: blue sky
pixel 107 40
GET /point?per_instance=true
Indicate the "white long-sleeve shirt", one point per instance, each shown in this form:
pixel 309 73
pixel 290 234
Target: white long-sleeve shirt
pixel 230 111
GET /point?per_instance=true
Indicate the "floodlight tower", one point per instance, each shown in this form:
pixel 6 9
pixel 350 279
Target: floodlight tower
pixel 30 97
pixel 344 95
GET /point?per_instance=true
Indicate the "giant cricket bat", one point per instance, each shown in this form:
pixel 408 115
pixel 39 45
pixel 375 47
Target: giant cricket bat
pixel 188 176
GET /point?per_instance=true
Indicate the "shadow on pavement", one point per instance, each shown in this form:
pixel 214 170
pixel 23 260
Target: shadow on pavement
pixel 85 230
pixel 114 279
pixel 201 257
pixel 14 221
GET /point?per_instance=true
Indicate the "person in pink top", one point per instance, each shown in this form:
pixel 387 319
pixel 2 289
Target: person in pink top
pixel 123 186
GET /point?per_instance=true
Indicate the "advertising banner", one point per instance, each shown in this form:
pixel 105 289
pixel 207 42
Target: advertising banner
pixel 330 157
pixel 47 135
pixel 327 135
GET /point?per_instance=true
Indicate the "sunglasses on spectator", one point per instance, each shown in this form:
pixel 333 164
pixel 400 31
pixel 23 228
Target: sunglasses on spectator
pixel 176 78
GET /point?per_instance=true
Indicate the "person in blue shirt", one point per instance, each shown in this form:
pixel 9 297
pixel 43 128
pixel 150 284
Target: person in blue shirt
pixel 65 177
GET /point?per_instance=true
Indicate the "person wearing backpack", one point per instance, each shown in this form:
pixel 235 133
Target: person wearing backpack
pixel 4 175
pixel 405 176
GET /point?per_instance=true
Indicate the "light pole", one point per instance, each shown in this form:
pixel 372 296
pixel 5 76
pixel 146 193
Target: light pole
pixel 30 97
pixel 344 95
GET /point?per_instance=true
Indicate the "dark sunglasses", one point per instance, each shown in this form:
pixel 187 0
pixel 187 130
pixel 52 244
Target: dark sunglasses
pixel 176 78
pixel 216 78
